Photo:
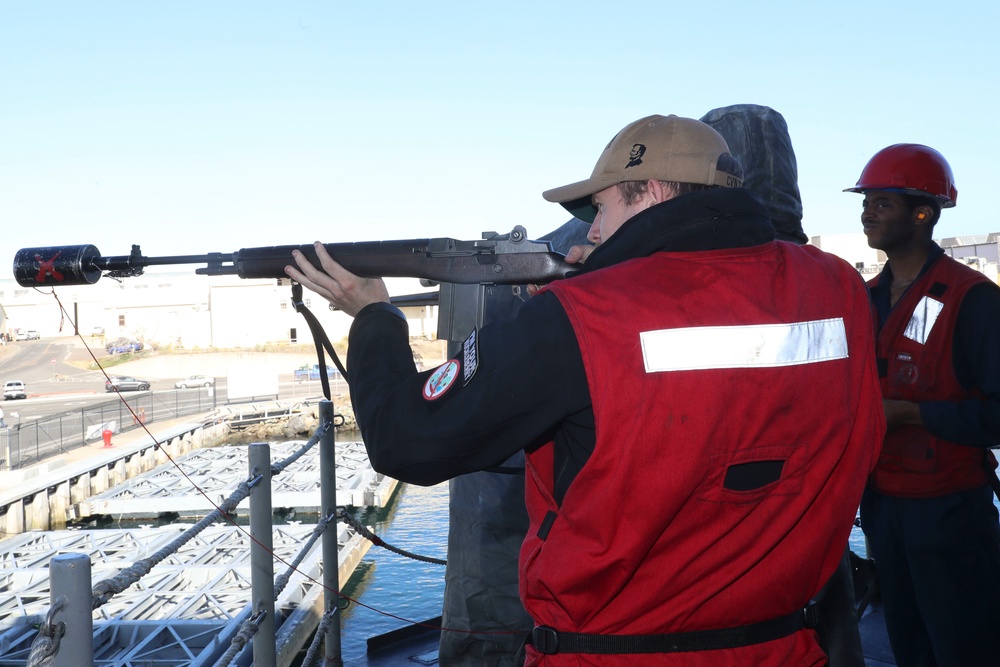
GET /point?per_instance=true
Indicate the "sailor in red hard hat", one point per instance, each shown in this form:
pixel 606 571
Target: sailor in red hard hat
pixel 928 510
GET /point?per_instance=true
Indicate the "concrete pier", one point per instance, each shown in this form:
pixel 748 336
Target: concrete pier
pixel 40 497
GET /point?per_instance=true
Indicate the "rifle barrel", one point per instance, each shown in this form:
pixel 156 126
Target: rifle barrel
pixel 499 260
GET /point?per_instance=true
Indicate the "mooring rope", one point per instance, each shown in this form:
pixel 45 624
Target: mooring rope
pixel 46 644
pixel 324 626
pixel 245 635
pixel 282 580
pixel 379 542
pixel 105 590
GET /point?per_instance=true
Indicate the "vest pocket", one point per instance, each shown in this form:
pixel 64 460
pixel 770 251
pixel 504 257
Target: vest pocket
pixel 750 475
pixel 910 448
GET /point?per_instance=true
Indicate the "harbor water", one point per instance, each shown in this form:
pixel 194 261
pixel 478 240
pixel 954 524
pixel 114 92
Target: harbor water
pixel 393 591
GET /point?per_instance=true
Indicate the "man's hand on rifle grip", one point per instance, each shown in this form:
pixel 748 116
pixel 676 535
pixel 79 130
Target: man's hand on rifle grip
pixel 578 254
pixel 343 289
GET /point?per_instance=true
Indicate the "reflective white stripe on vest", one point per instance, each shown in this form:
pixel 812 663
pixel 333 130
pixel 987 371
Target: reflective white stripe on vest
pixel 922 320
pixel 750 346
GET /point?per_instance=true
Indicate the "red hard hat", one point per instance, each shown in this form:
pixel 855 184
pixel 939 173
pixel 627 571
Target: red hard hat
pixel 912 168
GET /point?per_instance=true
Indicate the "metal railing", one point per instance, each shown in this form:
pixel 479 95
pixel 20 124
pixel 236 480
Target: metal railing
pixel 26 443
pixel 67 638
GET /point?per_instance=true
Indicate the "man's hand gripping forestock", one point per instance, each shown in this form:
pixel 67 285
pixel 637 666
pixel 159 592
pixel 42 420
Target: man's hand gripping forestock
pixel 344 290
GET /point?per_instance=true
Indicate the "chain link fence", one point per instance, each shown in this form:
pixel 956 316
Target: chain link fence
pixel 25 443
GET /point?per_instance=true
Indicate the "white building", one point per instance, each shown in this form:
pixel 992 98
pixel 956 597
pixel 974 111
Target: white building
pixel 183 310
pixel 980 252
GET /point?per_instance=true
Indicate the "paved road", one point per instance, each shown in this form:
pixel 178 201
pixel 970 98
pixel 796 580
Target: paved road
pixel 37 360
pixel 67 406
pixel 53 383
pixel 60 386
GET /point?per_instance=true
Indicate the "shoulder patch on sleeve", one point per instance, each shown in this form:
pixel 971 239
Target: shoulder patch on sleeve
pixel 470 356
pixel 441 380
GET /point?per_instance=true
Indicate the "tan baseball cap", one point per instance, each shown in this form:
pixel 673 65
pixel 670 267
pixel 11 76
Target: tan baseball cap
pixel 662 148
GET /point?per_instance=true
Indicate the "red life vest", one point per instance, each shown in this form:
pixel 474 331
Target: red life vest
pixel 704 366
pixel 915 348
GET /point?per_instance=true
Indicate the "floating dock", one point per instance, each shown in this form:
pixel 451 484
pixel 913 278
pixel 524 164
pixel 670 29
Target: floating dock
pixel 190 606
pixel 195 485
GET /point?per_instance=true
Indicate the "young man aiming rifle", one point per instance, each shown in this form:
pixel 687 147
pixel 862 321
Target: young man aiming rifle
pixel 698 426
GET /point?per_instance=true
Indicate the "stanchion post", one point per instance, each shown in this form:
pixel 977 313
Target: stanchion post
pixel 331 556
pixel 261 554
pixel 70 587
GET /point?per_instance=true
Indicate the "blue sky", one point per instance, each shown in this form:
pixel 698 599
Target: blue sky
pixel 190 127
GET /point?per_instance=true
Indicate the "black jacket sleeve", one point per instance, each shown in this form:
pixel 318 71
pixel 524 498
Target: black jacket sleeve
pixel 976 360
pixel 528 379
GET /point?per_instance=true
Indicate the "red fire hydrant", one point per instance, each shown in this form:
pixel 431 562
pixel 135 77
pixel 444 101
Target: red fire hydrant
pixel 106 434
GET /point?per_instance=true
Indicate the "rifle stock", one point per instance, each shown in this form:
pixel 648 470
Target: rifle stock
pixel 509 259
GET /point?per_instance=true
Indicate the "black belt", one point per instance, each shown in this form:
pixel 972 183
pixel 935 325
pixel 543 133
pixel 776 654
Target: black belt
pixel 548 640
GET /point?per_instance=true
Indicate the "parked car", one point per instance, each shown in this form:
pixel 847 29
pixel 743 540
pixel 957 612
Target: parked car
pixel 32 334
pixel 303 373
pixel 123 345
pixel 194 381
pixel 125 383
pixel 14 389
pixel 20 335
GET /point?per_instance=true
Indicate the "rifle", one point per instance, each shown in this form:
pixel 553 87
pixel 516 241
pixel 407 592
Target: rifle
pixel 466 270
pixel 508 259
